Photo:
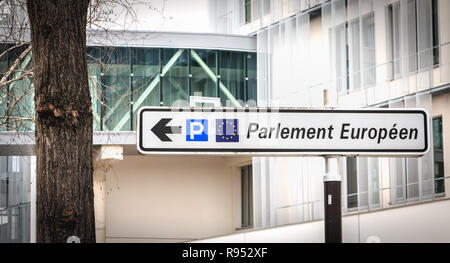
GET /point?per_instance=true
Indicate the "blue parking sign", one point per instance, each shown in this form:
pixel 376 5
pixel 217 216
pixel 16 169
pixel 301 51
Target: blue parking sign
pixel 197 130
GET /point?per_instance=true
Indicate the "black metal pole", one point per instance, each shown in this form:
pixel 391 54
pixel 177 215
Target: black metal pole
pixel 333 212
pixel 332 200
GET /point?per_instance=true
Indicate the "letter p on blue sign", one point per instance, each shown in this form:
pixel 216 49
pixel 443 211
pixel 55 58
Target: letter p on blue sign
pixel 197 130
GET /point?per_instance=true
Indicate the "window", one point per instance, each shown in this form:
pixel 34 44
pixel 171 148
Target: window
pixel 248 11
pixel 368 50
pixel 116 79
pixel 145 80
pixel 232 76
pixel 6 17
pixel 175 79
pixel 251 80
pixel 355 56
pixel 403 37
pixel 412 45
pixel 439 185
pixel 354 52
pixel 435 21
pixel 251 10
pixel 123 79
pixel 15 164
pixel 394 30
pixel 203 66
pixel 352 183
pixel 246 196
pixel 4 178
pixel 341 58
pixel 266 7
pixel 14 199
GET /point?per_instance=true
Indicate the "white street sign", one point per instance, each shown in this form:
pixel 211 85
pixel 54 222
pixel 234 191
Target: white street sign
pixel 282 131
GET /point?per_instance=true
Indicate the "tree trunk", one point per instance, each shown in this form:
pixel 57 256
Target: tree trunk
pixel 65 198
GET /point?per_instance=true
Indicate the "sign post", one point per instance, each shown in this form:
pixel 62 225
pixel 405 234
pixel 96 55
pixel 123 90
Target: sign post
pixel 332 200
pixel 330 133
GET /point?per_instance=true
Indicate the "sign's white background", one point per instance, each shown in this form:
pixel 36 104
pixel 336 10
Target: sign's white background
pixel 289 120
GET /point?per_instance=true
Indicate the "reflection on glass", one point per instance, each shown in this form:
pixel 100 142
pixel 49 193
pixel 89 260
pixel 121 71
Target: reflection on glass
pixel 369 72
pixel 232 76
pixel 94 74
pixel 145 79
pixel 204 73
pixel 352 183
pixel 438 156
pixel 3 69
pixel 124 79
pixel 116 89
pixel 175 79
pixel 17 98
pixel 251 83
pixel 3 95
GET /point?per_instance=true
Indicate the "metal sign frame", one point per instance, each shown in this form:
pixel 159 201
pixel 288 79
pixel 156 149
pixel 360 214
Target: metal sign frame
pixel 285 152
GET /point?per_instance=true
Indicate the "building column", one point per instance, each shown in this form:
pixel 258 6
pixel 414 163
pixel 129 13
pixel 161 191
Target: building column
pixel 104 157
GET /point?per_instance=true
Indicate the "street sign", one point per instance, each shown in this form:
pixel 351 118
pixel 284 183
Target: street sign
pixel 282 131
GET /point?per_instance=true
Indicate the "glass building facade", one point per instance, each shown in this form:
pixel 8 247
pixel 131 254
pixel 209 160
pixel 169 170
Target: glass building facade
pixel 16 94
pixel 123 79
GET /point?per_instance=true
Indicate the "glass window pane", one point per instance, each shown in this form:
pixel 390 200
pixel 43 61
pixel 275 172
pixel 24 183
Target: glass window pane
pixel 396 38
pixel 355 74
pixel 435 25
pixel 341 58
pixel 232 77
pixel 175 79
pixel 247 7
pixel 4 176
pixel 116 89
pixel 246 196
pixel 437 133
pixel 17 98
pixel 251 83
pixel 94 75
pixel 204 72
pixel 145 79
pixel 22 92
pixel 352 183
pixel 3 69
pixel 266 6
pixel 438 156
pixel 368 34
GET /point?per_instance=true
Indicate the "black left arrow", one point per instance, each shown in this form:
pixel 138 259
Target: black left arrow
pixel 161 130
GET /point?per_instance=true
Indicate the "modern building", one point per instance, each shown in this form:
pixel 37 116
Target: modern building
pixel 266 53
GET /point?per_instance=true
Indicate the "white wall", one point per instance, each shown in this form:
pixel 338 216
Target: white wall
pixel 426 222
pixel 168 199
pixel 167 15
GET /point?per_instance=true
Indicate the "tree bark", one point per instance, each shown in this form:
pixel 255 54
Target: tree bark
pixel 65 198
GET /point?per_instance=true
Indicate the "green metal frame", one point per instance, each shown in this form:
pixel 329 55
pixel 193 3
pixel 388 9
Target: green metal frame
pixel 214 78
pixel 149 89
pixel 177 85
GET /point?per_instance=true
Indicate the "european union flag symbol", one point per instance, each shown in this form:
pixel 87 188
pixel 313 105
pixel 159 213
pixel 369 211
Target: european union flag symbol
pixel 227 130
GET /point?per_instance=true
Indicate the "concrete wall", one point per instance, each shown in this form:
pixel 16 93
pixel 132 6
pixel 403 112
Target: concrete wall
pixel 427 222
pixel 161 199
